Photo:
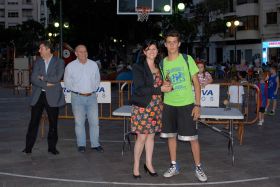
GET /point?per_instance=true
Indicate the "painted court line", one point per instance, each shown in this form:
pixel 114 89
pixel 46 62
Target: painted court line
pixel 132 184
pixel 111 141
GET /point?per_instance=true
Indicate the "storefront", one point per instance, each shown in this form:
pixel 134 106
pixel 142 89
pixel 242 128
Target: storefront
pixel 270 51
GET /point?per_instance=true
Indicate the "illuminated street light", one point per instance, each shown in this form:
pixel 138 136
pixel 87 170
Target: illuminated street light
pixel 50 34
pixel 228 24
pixel 167 8
pixel 235 24
pixel 66 25
pixel 181 6
pixel 56 24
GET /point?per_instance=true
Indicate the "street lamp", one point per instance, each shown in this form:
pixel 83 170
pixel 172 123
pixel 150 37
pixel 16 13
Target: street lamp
pixel 181 6
pixel 167 8
pixel 235 24
pixel 60 26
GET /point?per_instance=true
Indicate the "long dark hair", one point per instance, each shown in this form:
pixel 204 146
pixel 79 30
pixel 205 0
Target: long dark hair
pixel 146 44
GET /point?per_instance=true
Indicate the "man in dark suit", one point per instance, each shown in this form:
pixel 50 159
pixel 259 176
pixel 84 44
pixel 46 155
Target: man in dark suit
pixel 46 94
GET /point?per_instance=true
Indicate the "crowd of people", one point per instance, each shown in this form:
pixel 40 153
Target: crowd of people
pixel 162 101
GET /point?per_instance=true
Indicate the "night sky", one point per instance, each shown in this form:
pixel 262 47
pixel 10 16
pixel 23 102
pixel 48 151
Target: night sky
pixel 92 22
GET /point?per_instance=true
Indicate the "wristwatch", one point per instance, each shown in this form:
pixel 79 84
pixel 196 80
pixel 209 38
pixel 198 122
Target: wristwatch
pixel 196 105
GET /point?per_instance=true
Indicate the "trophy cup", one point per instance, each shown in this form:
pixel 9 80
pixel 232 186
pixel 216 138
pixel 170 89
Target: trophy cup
pixel 167 78
pixel 227 104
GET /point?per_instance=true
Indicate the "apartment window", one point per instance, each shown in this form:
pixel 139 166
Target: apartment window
pixel 249 23
pixel 12 25
pixel 12 2
pixel 26 2
pixel 2 24
pixel 240 2
pixel 248 55
pixel 271 18
pixel 2 13
pixel 12 14
pixel 26 13
pixel 231 9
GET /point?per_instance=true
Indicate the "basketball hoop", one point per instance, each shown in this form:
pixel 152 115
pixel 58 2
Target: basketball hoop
pixel 143 13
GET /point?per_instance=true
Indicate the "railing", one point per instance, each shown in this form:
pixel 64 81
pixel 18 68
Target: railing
pixel 22 80
pixel 120 93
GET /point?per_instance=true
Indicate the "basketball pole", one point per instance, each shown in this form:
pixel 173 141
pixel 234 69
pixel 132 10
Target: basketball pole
pixel 60 30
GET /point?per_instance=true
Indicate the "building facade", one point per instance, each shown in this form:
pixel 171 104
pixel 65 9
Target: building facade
pixel 258 34
pixel 15 12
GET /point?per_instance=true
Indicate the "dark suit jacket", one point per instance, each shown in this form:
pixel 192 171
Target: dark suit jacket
pixel 54 94
pixel 143 83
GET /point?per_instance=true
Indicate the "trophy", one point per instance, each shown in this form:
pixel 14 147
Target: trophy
pixel 167 78
pixel 227 104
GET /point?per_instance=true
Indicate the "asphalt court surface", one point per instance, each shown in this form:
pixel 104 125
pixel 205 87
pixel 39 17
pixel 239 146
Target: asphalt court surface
pixel 256 161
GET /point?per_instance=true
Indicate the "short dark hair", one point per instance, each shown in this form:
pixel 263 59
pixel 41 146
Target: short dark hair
pixel 47 44
pixel 172 33
pixel 147 43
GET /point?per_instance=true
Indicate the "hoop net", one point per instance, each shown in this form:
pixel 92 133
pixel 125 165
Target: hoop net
pixel 143 13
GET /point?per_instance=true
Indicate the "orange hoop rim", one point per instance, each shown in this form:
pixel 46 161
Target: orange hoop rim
pixel 143 9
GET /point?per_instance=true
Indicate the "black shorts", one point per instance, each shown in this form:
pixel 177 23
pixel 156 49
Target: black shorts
pixel 262 109
pixel 178 120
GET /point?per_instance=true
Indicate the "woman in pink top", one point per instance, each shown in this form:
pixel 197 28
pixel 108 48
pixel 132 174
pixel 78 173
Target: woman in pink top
pixel 204 77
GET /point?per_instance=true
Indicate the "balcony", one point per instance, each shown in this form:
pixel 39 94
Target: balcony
pixel 271 30
pixel 241 2
pixel 247 9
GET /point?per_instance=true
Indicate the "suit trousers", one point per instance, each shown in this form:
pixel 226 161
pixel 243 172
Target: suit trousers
pixel 36 114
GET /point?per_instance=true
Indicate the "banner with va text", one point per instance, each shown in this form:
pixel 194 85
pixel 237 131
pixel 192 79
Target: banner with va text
pixel 210 95
pixel 103 93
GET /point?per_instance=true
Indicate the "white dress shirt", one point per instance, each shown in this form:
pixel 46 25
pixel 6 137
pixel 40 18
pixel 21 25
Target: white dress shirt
pixel 82 78
pixel 47 63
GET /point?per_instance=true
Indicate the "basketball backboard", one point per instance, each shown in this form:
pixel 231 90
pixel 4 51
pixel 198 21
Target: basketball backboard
pixel 129 7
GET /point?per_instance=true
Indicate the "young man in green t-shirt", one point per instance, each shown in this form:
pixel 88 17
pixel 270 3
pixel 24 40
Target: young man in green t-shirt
pixel 181 107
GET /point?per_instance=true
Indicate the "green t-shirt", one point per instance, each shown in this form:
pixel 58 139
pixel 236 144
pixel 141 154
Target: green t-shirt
pixel 182 93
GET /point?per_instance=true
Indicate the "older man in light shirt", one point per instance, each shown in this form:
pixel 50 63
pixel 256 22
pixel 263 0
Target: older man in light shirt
pixel 82 77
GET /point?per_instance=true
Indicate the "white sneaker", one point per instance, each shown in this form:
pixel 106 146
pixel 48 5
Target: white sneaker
pixel 173 170
pixel 260 123
pixel 199 173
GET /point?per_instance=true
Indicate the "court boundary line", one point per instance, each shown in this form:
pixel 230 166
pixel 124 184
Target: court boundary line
pixel 132 184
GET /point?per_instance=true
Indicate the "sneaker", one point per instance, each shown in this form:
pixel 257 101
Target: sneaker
pixel 199 173
pixel 173 170
pixel 260 123
pixel 271 113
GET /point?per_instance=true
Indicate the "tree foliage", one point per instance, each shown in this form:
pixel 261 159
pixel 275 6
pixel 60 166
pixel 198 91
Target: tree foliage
pixel 207 16
pixel 25 37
